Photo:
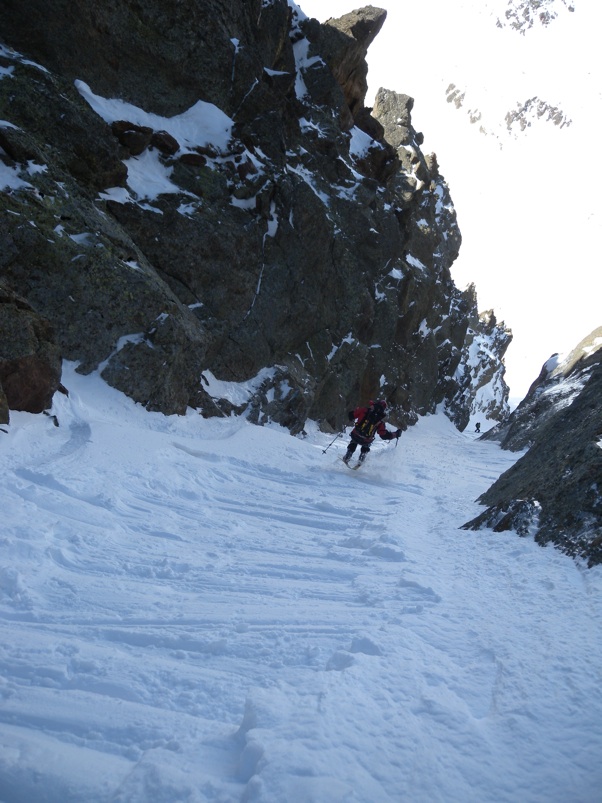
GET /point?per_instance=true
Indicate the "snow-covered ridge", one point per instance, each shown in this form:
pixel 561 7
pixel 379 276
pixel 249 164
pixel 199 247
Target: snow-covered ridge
pixel 523 15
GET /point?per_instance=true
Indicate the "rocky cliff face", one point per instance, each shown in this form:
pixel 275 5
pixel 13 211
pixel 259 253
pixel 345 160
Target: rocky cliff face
pixel 195 194
pixel 554 491
pixel 478 387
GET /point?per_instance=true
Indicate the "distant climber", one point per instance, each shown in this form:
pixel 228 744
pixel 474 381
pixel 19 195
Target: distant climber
pixel 369 422
pixel 477 427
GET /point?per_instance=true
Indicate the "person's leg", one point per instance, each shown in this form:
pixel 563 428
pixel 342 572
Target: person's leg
pixel 363 453
pixel 350 450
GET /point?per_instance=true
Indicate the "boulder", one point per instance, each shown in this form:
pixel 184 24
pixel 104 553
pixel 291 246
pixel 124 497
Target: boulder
pixel 30 358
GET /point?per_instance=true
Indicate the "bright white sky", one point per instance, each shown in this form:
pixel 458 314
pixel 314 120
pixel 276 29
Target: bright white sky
pixel 527 206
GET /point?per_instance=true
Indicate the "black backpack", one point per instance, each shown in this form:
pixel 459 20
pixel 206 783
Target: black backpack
pixel 367 426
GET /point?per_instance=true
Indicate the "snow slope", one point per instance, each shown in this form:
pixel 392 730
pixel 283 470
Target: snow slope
pixel 204 610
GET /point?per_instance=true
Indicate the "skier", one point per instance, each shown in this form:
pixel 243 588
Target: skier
pixel 369 422
pixel 477 427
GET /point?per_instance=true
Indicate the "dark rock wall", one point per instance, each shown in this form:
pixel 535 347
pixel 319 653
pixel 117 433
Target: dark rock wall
pixel 317 240
pixel 30 361
pixel 478 387
pixel 554 491
pixel 162 56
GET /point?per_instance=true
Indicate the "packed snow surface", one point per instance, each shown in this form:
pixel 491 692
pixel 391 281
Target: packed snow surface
pixel 206 610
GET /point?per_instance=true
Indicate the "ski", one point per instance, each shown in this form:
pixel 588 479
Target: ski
pixel 355 466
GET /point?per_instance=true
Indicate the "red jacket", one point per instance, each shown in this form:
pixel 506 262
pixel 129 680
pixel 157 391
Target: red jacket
pixel 381 430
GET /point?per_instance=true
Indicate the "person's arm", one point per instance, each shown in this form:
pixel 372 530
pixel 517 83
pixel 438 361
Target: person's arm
pixel 385 434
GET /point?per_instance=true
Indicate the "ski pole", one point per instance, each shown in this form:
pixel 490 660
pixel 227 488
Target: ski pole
pixel 335 439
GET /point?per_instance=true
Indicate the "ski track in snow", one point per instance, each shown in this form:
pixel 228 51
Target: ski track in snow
pixel 204 610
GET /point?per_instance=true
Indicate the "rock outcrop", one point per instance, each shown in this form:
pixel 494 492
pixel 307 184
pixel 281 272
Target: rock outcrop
pixel 480 389
pixel 30 361
pixel 232 211
pixel 344 43
pixel 554 491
